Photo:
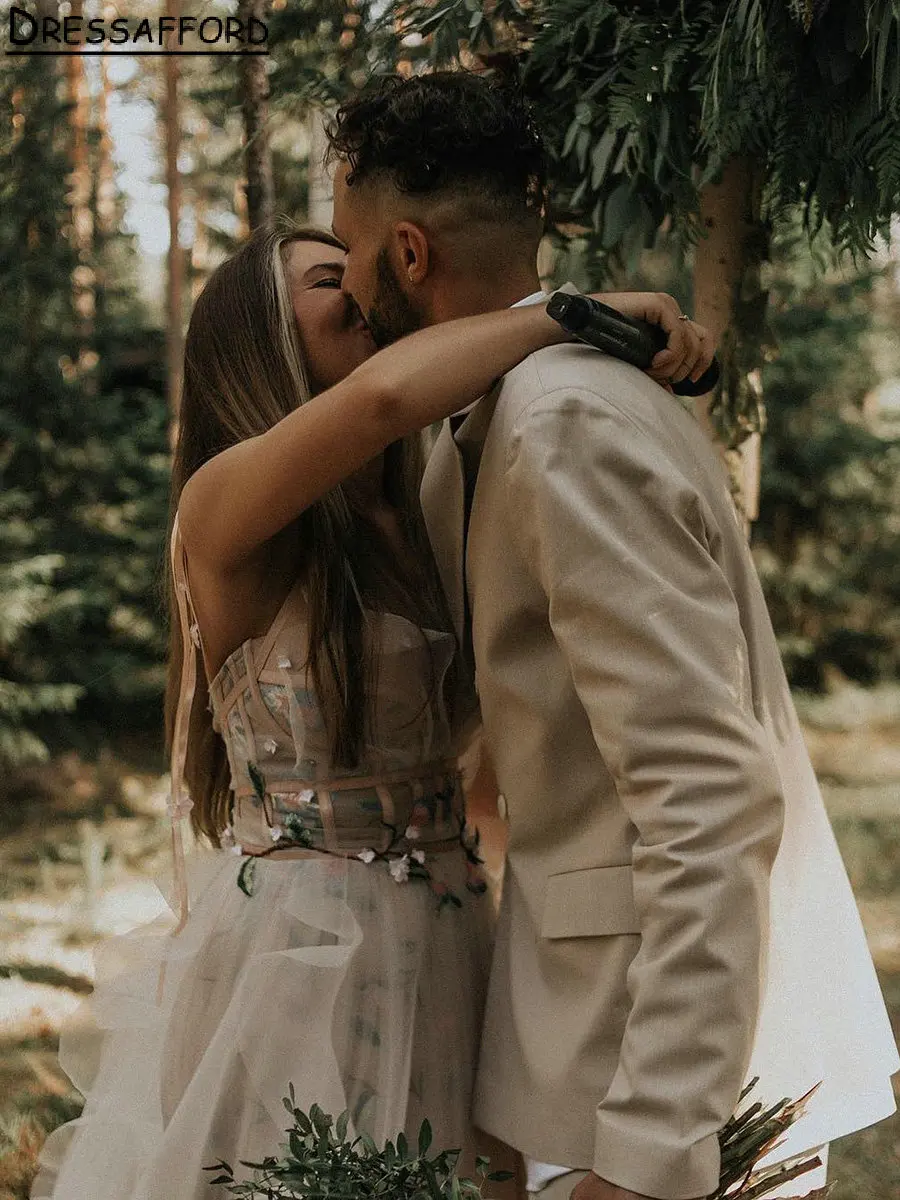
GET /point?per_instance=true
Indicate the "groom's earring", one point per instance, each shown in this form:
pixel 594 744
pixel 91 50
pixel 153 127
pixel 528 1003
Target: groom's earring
pixel 413 246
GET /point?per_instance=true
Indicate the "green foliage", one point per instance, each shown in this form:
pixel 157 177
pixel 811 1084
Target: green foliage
pixel 642 103
pixel 323 50
pixel 827 541
pixel 321 1162
pixel 83 455
pixel 34 322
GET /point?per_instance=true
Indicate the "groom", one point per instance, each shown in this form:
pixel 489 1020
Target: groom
pixel 650 949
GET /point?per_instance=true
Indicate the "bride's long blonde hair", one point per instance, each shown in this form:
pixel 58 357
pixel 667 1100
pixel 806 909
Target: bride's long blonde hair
pixel 243 372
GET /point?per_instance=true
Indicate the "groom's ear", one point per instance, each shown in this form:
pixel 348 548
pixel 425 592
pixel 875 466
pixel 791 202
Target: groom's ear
pixel 413 252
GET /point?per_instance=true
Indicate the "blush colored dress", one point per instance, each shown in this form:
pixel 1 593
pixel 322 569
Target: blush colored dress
pixel 340 943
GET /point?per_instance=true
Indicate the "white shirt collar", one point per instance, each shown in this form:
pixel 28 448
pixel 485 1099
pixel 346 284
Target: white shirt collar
pixel 534 298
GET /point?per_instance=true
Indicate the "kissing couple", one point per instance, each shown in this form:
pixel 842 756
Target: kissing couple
pixel 570 577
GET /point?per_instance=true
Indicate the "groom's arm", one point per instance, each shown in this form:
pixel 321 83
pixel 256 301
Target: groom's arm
pixel 618 539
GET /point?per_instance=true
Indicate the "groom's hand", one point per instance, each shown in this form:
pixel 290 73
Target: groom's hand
pixel 595 1188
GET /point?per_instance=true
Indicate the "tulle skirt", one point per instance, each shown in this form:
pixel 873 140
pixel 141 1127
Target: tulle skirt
pixel 333 977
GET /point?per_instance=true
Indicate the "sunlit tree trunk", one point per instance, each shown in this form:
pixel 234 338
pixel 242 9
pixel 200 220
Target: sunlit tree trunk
pixel 105 195
pixel 104 210
pixel 254 89
pixel 729 301
pixel 200 253
pixel 175 264
pixel 23 107
pixel 321 192
pixel 240 210
pixel 80 198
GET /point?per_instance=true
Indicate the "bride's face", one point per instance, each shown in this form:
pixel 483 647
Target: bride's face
pixel 333 333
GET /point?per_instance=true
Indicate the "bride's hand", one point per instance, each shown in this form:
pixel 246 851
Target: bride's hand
pixel 690 349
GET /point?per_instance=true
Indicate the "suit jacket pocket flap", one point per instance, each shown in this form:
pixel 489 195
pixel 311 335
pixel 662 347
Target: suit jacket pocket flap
pixel 596 902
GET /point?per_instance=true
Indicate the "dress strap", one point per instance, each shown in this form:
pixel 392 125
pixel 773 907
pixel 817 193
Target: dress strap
pixel 180 804
pixel 265 649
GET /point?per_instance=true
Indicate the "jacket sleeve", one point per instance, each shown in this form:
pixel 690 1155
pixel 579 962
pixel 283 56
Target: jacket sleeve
pixel 617 537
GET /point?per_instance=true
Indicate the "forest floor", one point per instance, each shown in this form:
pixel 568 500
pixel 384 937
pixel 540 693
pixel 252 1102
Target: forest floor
pixel 80 845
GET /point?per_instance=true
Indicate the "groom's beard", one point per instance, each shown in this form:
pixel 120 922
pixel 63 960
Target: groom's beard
pixel 392 315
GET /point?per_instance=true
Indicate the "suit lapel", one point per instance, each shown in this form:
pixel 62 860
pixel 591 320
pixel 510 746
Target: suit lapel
pixel 470 435
pixel 448 491
pixel 443 506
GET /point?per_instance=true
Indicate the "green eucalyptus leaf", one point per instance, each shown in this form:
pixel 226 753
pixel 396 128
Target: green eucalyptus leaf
pixel 368 1144
pixel 582 148
pixel 569 140
pixel 425 1138
pixel 616 215
pixel 343 1123
pixel 579 194
pixel 584 112
pixel 600 157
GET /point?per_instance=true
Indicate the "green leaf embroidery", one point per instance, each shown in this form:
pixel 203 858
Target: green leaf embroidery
pixel 247 875
pixel 259 785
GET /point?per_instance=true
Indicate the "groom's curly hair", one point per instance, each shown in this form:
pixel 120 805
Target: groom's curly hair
pixel 447 132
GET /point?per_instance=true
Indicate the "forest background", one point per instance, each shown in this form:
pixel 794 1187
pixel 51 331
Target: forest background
pixel 743 154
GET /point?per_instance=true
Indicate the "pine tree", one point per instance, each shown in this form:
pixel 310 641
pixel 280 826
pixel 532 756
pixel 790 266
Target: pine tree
pixel 697 117
pixel 38 332
pixel 84 468
pixel 827 541
pixel 254 109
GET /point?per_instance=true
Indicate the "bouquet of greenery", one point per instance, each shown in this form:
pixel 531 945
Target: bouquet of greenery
pixel 321 1162
pixel 748 1138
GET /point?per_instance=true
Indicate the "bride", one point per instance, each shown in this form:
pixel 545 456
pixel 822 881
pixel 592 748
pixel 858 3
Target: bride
pixel 338 938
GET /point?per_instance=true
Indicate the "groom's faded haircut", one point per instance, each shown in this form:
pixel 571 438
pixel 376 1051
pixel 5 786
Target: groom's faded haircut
pixel 450 133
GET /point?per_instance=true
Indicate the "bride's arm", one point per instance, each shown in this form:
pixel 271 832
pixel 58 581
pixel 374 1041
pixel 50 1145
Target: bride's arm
pixel 240 499
pixel 246 494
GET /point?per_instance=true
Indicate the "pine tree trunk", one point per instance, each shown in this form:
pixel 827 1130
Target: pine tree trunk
pixel 254 86
pixel 80 196
pixel 103 199
pixel 105 202
pixel 200 249
pixel 25 103
pixel 175 274
pixel 728 298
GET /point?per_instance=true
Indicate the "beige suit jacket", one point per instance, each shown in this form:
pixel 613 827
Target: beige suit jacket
pixel 624 658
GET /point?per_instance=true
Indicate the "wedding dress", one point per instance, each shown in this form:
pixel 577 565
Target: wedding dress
pixel 355 968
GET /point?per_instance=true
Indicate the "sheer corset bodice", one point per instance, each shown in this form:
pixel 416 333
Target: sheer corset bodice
pixel 268 715
pixel 286 786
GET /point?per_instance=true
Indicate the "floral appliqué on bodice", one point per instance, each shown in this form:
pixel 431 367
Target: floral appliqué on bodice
pixel 401 806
